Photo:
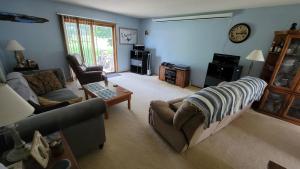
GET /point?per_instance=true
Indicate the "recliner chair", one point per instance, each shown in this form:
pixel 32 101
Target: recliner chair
pixel 83 73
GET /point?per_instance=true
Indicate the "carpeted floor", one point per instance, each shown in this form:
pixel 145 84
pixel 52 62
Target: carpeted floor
pixel 247 143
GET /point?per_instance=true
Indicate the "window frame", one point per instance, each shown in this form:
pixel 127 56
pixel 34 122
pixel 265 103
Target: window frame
pixel 91 23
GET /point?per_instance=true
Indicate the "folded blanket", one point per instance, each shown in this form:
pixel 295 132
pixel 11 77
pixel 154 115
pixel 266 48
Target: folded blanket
pixel 216 102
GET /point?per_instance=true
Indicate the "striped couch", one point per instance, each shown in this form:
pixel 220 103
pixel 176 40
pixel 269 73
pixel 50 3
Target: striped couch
pixel 187 121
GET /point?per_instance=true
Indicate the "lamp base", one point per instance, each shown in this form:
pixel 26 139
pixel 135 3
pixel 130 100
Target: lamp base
pixel 20 151
pixel 250 68
pixel 18 154
pixel 20 59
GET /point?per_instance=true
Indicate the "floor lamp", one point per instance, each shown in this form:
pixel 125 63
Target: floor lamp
pixel 255 55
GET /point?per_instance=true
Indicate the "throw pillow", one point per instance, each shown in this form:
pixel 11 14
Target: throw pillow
pixel 35 84
pixel 43 82
pixel 40 109
pixel 19 84
pixel 47 102
pixel 50 81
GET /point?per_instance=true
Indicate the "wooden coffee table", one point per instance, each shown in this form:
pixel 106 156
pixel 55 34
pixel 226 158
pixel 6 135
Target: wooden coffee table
pixel 121 94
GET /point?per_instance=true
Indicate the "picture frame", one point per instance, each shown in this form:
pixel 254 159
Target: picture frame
pixel 128 36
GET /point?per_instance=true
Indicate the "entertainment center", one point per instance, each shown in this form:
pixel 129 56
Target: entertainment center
pixel 223 68
pixel 139 60
pixel 174 74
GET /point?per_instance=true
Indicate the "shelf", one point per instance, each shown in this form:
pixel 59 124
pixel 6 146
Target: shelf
pixel 291 55
pixel 275 53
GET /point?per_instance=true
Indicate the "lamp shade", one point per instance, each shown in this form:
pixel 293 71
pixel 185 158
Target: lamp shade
pixel 14 45
pixel 13 107
pixel 256 55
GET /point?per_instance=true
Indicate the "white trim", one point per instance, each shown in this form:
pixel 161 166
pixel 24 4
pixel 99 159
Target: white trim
pixel 193 17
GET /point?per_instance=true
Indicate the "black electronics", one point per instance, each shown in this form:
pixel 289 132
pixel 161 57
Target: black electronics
pixel 138 47
pixel 223 68
pixel 224 59
pixel 167 64
pixel 181 67
pixel 170 75
pixel 138 61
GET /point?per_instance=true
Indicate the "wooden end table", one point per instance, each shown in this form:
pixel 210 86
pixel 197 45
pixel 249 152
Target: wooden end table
pixel 68 154
pixel 122 95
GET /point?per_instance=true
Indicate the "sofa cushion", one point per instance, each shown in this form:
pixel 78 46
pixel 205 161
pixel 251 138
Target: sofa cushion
pixel 19 84
pixel 163 110
pixel 62 95
pixel 43 82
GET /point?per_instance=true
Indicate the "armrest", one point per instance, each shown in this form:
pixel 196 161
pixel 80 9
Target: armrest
pixel 174 101
pixel 91 76
pixel 58 119
pixel 94 68
pixel 162 109
pixel 183 115
pixel 93 73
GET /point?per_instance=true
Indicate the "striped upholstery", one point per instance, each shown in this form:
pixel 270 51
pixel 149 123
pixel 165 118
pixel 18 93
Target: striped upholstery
pixel 216 102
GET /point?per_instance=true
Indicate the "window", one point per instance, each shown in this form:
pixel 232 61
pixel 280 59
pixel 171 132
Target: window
pixel 93 40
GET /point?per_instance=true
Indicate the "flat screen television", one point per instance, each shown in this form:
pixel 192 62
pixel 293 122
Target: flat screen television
pixel 224 59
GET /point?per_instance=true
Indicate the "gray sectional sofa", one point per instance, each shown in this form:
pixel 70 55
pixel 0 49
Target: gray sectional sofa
pixel 81 123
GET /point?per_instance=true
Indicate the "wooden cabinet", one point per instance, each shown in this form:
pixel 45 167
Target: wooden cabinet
pixel 282 72
pixel 162 71
pixel 181 77
pixel 292 111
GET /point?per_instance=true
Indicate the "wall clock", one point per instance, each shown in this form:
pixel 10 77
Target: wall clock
pixel 239 33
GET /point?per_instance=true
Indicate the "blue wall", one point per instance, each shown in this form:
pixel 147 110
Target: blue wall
pixel 182 42
pixel 194 42
pixel 44 42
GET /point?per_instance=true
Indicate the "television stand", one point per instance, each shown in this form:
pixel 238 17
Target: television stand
pixel 173 75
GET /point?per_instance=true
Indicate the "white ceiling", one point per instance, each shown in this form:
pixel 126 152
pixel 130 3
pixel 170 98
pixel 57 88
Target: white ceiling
pixel 160 8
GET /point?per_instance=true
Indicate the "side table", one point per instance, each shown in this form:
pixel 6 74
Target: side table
pixel 68 154
pixel 21 69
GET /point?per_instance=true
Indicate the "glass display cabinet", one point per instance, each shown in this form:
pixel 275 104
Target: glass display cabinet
pixel 282 72
pixel 292 112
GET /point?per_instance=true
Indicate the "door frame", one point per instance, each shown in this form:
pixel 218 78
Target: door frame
pixel 79 20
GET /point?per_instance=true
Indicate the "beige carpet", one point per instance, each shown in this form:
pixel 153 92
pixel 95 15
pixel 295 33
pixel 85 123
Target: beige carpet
pixel 247 143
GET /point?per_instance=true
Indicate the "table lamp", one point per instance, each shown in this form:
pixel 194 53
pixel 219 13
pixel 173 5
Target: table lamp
pixel 255 55
pixel 13 108
pixel 16 47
